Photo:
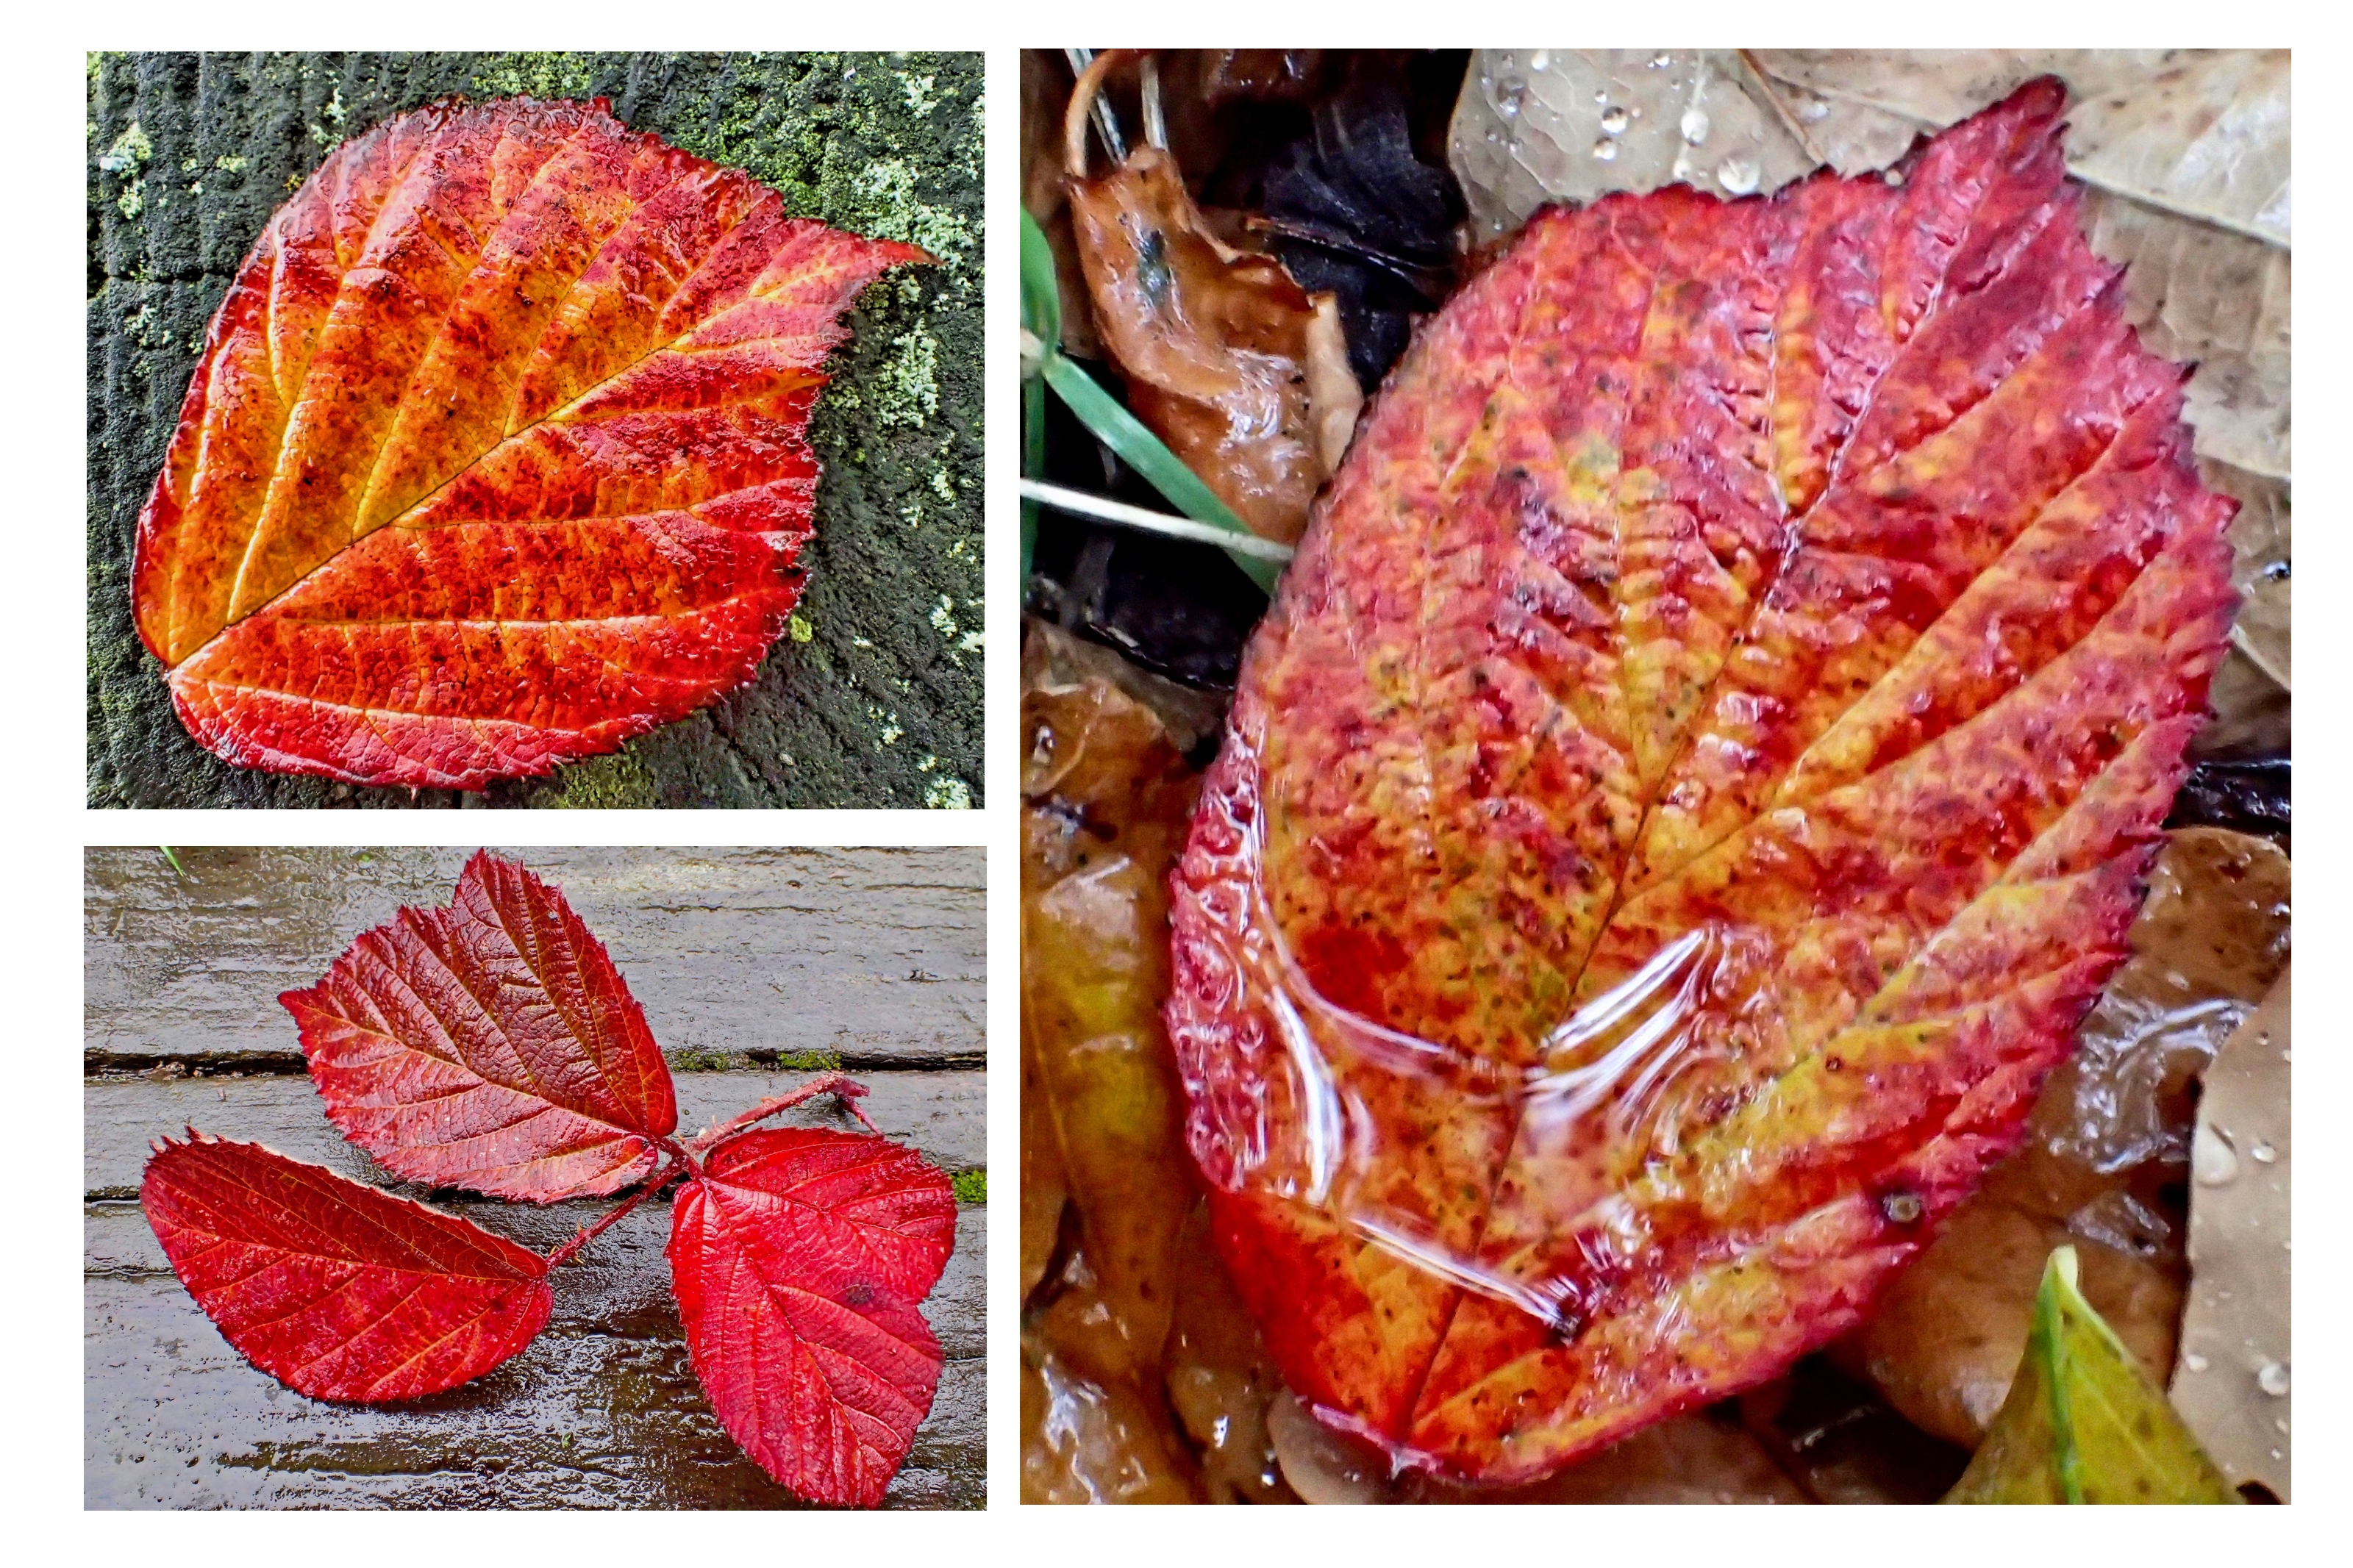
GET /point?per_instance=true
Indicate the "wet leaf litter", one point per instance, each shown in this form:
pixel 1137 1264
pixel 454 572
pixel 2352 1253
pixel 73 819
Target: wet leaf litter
pixel 1795 901
pixel 2238 788
pixel 824 1213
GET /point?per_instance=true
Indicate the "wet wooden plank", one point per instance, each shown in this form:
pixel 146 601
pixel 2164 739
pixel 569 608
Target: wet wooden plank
pixel 875 954
pixel 879 955
pixel 941 1114
pixel 601 1411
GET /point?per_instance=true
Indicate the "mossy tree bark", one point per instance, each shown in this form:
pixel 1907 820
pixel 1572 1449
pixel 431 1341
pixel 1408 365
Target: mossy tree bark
pixel 873 699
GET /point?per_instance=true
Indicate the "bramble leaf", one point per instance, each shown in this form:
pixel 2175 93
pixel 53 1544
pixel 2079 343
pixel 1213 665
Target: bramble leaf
pixel 335 1289
pixel 798 1256
pixel 495 456
pixel 1692 781
pixel 490 1045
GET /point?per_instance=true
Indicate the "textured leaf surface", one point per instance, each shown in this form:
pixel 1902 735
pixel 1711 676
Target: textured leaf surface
pixel 490 1045
pixel 335 1289
pixel 2084 1423
pixel 494 457
pixel 1692 782
pixel 799 1257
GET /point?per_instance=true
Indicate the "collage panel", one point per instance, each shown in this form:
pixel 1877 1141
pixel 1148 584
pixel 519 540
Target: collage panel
pixel 581 430
pixel 1640 820
pixel 434 1178
pixel 1655 742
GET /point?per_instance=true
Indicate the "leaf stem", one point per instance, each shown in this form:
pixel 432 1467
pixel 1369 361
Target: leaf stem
pixel 845 1090
pixel 662 1178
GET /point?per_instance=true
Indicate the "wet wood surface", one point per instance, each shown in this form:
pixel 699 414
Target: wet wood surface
pixel 734 955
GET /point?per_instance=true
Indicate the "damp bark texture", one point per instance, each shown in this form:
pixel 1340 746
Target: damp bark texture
pixel 873 696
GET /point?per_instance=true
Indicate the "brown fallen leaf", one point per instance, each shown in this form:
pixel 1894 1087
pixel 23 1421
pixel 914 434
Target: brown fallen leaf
pixel 2231 1384
pixel 1223 353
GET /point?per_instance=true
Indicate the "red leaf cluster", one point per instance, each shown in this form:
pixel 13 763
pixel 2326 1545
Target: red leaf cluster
pixel 492 1046
pixel 494 457
pixel 1692 781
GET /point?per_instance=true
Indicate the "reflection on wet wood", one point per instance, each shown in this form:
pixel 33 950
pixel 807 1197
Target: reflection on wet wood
pixel 874 954
pixel 602 1411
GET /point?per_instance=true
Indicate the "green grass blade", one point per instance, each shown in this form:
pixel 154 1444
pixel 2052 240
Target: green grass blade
pixel 1041 296
pixel 1140 449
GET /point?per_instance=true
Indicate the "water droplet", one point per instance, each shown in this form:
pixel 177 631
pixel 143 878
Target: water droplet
pixel 1696 125
pixel 1509 94
pixel 2261 1152
pixel 1661 62
pixel 1893 177
pixel 1812 109
pixel 1493 136
pixel 2279 1425
pixel 2272 1379
pixel 1507 59
pixel 1738 176
pixel 1486 82
pixel 1540 60
pixel 2212 1162
pixel 1614 118
pixel 1605 150
pixel 2195 1362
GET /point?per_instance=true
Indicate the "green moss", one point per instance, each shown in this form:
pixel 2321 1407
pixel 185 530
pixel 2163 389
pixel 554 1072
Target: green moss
pixel 971 1186
pixel 131 150
pixel 809 1062
pixel 538 75
pixel 616 783
pixel 908 390
pixel 698 1061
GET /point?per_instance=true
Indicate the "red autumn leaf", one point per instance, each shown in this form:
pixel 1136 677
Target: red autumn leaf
pixel 494 457
pixel 490 1045
pixel 798 1256
pixel 335 1289
pixel 1692 782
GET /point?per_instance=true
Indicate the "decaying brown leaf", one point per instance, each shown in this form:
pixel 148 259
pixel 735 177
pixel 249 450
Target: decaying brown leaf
pixel 1229 362
pixel 2231 1384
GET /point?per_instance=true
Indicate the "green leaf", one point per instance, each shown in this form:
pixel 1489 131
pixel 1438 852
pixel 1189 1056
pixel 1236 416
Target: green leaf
pixel 2085 1422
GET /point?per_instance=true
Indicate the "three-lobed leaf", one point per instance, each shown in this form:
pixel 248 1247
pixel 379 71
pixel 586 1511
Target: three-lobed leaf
pixel 490 1045
pixel 798 1258
pixel 1693 780
pixel 335 1289
pixel 493 1045
pixel 494 457
pixel 2084 1423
